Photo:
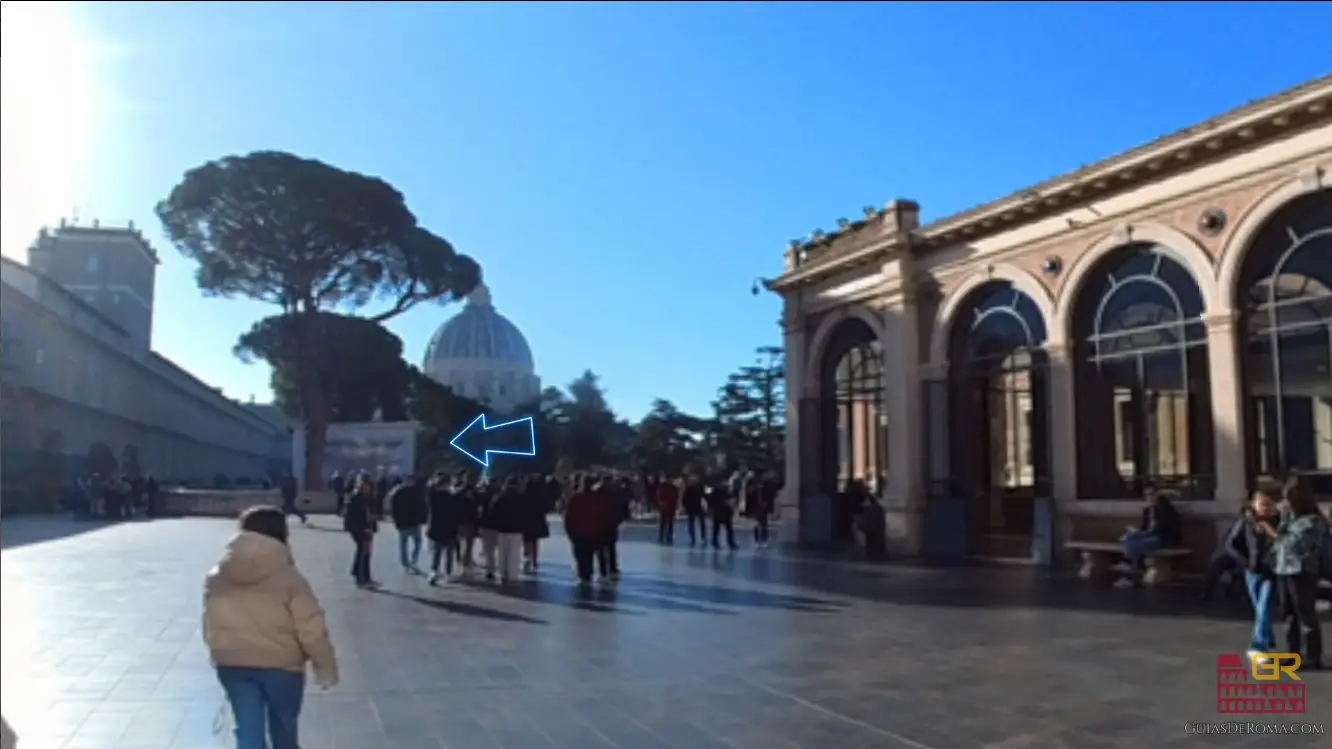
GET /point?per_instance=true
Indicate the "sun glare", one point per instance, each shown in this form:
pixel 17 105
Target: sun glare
pixel 50 112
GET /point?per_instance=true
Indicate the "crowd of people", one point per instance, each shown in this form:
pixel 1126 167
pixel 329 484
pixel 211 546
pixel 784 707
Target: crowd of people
pixel 1280 546
pixel 114 497
pixel 1283 545
pixel 710 504
pixel 505 521
pixel 263 624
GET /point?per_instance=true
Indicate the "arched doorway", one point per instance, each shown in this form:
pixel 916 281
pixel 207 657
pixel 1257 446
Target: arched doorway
pixel 998 390
pixel 855 421
pixel 1142 380
pixel 1285 299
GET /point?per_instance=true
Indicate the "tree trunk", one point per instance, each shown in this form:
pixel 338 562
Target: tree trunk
pixel 314 401
pixel 316 437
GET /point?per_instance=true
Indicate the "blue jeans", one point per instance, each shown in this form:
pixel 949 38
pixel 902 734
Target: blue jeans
pixel 409 545
pixel 1139 544
pixel 1260 593
pixel 266 705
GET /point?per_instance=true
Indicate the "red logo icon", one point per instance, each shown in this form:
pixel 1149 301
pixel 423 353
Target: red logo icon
pixel 1266 683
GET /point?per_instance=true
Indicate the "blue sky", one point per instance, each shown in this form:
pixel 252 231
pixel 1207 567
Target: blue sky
pixel 622 171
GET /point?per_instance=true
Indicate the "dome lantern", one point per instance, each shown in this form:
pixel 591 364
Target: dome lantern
pixel 480 296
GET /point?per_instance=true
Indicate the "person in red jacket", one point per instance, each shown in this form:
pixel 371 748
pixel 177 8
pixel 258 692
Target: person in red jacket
pixel 587 520
pixel 668 503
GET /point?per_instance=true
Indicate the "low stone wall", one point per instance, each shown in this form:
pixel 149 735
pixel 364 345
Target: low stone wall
pixel 232 502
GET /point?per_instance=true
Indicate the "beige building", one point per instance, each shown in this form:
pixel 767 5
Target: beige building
pixel 81 386
pixel 1012 376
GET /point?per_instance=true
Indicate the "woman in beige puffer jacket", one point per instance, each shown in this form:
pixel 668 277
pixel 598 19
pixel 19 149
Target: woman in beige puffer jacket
pixel 7 738
pixel 262 624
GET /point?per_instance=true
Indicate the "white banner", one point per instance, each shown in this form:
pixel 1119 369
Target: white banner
pixel 369 447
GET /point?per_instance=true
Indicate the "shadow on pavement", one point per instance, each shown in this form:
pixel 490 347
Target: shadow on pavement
pixel 726 596
pixel 24 530
pixel 463 609
pixel 602 599
pixel 963 586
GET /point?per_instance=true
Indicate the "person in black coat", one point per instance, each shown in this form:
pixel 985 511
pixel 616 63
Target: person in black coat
pixel 410 511
pixel 360 522
pixel 1251 550
pixel 691 501
pixel 291 492
pixel 620 494
pixel 721 506
pixel 339 486
pixel 382 487
pixel 151 491
pixel 447 511
pixel 483 496
pixel 537 505
pixel 469 502
pixel 506 520
pixel 761 501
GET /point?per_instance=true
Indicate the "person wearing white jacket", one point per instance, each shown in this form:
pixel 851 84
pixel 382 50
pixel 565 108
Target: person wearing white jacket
pixel 8 739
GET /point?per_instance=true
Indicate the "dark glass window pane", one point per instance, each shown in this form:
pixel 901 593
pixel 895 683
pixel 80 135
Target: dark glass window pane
pixel 1286 278
pixel 1142 382
pixel 999 420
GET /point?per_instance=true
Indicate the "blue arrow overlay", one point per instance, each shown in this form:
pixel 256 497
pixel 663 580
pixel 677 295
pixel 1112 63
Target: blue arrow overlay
pixel 514 427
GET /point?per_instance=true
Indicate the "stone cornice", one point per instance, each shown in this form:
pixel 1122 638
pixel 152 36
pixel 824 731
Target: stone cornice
pixel 1260 122
pixel 1264 121
pixel 825 266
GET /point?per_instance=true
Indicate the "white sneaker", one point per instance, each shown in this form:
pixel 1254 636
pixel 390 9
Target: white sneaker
pixel 1123 567
pixel 1258 656
pixel 1124 582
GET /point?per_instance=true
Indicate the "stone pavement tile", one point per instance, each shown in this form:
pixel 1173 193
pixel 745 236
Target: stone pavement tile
pixel 693 649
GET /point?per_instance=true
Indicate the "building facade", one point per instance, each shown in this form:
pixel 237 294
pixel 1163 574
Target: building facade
pixel 82 387
pixel 1012 376
pixel 480 354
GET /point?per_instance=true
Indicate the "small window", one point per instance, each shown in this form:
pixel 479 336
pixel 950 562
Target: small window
pixel 41 357
pixel 94 263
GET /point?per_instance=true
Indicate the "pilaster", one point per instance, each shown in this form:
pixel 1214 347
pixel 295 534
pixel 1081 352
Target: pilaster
pixel 1062 422
pixel 903 497
pixel 793 330
pixel 1227 409
pixel 901 368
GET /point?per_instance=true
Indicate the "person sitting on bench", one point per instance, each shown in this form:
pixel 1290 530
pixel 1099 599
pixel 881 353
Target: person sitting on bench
pixel 1159 529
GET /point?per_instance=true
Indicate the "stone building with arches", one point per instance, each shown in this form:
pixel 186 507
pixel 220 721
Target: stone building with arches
pixel 1012 376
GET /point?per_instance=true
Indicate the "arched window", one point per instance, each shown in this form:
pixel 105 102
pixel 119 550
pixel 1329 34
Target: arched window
pixel 855 418
pixel 1286 301
pixel 1143 386
pixel 999 419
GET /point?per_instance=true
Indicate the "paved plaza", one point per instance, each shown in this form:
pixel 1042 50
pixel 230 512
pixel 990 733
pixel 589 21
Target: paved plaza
pixel 695 649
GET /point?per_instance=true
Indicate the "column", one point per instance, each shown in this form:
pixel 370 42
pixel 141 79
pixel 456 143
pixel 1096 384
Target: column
pixel 1063 425
pixel 903 498
pixel 1052 515
pixel 1227 411
pixel 794 342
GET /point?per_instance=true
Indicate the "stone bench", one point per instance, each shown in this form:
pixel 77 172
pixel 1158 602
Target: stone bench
pixel 1098 557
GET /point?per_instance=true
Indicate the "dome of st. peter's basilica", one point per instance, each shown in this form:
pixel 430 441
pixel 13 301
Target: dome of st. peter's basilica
pixel 480 354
